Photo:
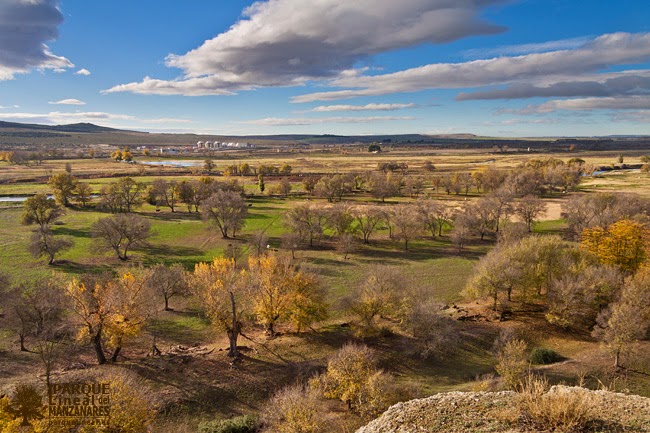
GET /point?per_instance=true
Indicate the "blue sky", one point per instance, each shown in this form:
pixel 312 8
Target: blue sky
pixel 488 67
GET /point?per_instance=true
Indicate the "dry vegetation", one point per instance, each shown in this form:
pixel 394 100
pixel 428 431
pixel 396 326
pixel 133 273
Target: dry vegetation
pixel 309 292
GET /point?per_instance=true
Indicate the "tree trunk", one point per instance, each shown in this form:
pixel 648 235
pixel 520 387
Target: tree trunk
pixel 22 343
pixel 96 341
pixel 167 303
pixel 234 332
pixel 617 358
pixel 116 352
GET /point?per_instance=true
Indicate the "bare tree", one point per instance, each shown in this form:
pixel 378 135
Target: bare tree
pixel 308 221
pixel 500 201
pixel 44 243
pixel 193 194
pixel 346 244
pixel 227 210
pixel 291 241
pixel 407 222
pixel 529 208
pixel 339 217
pixel 169 281
pixel 414 186
pixel 122 195
pixel 627 320
pixel 165 192
pixel 122 232
pixel 83 193
pixel 259 242
pixel 380 294
pixel 367 219
pixel 461 231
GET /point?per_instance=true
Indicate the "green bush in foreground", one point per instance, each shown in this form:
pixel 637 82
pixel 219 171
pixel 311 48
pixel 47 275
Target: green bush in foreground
pixel 238 424
pixel 543 356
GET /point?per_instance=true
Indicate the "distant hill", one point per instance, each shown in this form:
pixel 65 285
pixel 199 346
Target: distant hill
pixel 74 127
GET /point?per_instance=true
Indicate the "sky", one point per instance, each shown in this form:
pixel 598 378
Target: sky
pixel 489 67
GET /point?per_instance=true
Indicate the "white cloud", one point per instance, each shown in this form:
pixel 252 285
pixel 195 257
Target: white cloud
pixel 67 102
pixel 641 116
pixel 367 107
pixel 25 27
pixel 612 84
pixel 612 103
pixel 274 121
pixel 604 51
pixel 58 117
pixel 288 42
pixel 514 50
pixel 83 71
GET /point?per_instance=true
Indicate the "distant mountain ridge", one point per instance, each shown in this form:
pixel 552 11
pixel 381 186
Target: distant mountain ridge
pixel 73 127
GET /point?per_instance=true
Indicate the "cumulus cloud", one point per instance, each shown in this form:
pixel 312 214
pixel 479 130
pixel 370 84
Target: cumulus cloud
pixel 83 71
pixel 288 42
pixel 602 52
pixel 296 121
pixel 58 117
pixel 25 27
pixel 367 107
pixel 67 102
pixel 625 83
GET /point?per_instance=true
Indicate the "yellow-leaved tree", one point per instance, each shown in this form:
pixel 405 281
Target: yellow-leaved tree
pixel 283 293
pixel 625 243
pixel 226 296
pixel 110 310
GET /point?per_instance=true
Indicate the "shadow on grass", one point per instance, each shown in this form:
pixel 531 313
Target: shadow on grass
pixel 172 216
pixel 70 267
pixel 66 231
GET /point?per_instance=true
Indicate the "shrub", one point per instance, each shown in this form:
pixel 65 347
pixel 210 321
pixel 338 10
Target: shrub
pixel 294 409
pixel 512 362
pixel 543 356
pixel 559 410
pixel 238 424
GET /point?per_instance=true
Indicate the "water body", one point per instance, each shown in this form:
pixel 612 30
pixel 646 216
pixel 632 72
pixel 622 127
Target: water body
pixel 13 199
pixel 174 163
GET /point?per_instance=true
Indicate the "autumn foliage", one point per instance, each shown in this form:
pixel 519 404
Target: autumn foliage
pixel 625 243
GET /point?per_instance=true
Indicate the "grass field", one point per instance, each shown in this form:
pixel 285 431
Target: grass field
pixel 208 385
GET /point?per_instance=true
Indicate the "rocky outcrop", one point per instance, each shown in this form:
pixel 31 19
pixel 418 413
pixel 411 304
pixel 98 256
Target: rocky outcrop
pixel 499 412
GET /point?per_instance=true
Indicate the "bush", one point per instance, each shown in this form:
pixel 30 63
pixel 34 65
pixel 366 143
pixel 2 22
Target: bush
pixel 543 356
pixel 238 424
pixel 558 410
pixel 512 362
pixel 294 409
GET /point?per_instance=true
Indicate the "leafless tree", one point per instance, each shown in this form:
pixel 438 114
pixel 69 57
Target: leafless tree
pixel 122 232
pixel 346 244
pixel 165 192
pixel 44 243
pixel 308 221
pixel 340 218
pixel 169 281
pixel 407 222
pixel 529 208
pixel 227 210
pixel 258 242
pixel 367 219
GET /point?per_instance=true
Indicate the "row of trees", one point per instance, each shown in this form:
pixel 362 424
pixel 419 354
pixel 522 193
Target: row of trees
pixel 407 221
pixel 109 311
